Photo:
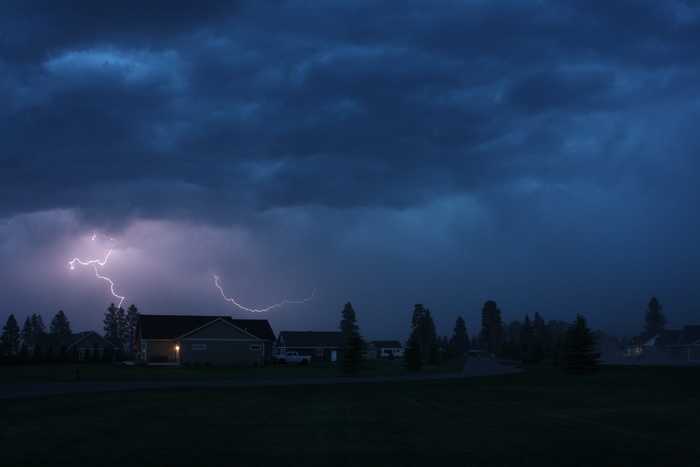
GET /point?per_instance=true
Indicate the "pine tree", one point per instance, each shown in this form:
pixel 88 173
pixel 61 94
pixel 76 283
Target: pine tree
pixel 111 322
pixel 655 319
pixel 60 324
pixel 38 326
pixel 460 338
pixel 132 319
pixel 412 355
pixel 425 332
pixel 27 333
pixel 491 326
pixel 579 354
pixel 348 323
pixel 10 336
pixel 352 354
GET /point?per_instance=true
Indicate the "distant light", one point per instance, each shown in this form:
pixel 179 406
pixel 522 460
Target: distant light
pixel 177 347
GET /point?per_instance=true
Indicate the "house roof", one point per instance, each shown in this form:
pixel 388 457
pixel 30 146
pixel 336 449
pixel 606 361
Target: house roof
pixel 387 344
pixel 311 339
pixel 643 340
pixel 690 335
pixel 169 327
pixel 57 341
pixel 668 337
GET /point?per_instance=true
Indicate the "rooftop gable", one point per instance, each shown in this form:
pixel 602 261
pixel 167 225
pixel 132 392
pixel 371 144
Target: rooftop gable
pixel 171 327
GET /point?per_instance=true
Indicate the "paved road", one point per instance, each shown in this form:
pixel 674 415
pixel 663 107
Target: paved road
pixel 475 366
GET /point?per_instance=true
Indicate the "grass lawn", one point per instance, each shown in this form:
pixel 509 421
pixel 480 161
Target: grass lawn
pixel 623 416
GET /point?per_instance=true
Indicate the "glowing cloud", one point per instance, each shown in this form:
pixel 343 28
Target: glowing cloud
pixel 94 263
pixel 216 282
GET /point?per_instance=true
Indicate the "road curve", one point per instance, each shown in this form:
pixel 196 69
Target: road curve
pixel 475 366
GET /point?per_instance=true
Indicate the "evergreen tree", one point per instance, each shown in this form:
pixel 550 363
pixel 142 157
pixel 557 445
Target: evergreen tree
pixel 121 324
pixel 111 322
pixel 38 326
pixel 10 336
pixel 424 329
pixel 27 333
pixel 579 354
pixel 460 338
pixel 655 319
pixel 348 323
pixel 132 320
pixel 352 354
pixel 412 355
pixel 491 327
pixel 433 352
pixel 60 324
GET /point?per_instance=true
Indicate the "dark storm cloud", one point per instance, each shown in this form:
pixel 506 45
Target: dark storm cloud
pixel 544 133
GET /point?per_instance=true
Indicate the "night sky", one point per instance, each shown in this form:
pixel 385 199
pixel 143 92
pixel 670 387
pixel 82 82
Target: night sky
pixel 542 154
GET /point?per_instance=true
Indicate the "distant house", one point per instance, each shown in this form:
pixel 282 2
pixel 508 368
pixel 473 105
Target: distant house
pixel 320 345
pixel 87 345
pixel 204 340
pixel 388 349
pixel 639 345
pixel 669 346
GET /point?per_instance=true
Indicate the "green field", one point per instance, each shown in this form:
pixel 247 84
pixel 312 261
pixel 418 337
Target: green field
pixel 623 416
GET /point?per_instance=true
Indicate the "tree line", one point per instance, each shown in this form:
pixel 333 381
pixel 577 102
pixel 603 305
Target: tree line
pixel 571 346
pixel 19 344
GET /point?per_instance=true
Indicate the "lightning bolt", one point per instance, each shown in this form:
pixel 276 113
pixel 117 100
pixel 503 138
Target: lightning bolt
pixel 216 282
pixel 94 263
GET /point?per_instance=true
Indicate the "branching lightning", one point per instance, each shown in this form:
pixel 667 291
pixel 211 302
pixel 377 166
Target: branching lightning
pixel 216 282
pixel 94 263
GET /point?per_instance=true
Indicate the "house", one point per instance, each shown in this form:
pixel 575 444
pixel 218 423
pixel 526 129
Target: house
pixel 320 345
pixel 180 340
pixel 690 344
pixel 639 345
pixel 87 345
pixel 388 349
pixel 668 346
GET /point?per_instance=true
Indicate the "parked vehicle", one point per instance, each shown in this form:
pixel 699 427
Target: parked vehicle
pixel 293 357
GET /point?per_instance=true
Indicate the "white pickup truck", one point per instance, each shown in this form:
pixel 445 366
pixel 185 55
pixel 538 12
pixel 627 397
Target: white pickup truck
pixel 293 357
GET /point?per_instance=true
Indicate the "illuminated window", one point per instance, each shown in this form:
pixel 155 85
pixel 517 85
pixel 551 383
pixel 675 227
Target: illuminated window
pixel 199 346
pixel 255 347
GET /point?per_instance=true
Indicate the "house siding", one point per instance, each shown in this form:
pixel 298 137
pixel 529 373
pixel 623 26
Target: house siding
pixel 220 352
pixel 159 351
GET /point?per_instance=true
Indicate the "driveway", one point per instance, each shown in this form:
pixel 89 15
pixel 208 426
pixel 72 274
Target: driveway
pixel 475 366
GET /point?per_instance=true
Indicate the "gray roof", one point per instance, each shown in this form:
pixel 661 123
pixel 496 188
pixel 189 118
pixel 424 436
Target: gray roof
pixel 168 327
pixel 310 339
pixel 690 335
pixel 56 341
pixel 667 337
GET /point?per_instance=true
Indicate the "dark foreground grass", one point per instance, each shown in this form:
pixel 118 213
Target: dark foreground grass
pixel 623 416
